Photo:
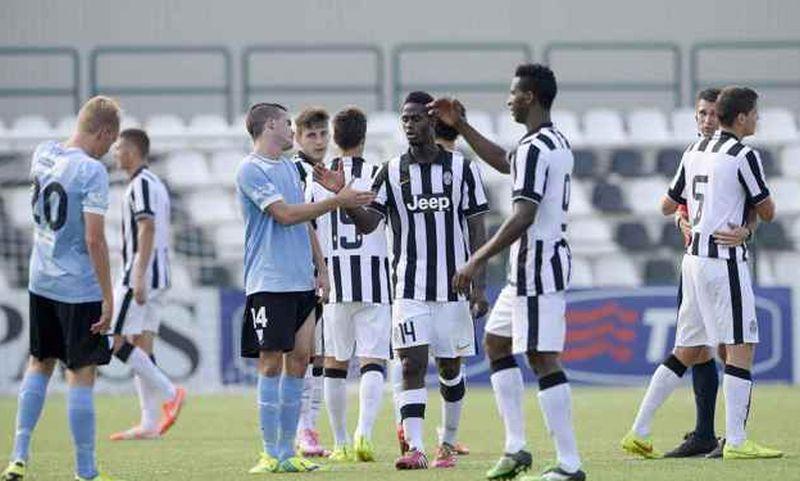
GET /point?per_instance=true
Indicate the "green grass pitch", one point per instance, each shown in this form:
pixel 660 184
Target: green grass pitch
pixel 217 438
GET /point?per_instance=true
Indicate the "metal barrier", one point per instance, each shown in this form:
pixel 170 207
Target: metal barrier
pixel 225 90
pixel 409 48
pixel 249 88
pixel 68 52
pixel 591 86
pixel 697 49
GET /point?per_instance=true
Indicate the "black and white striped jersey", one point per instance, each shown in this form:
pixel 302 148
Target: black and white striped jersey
pixel 358 264
pixel 541 169
pixel 146 196
pixel 305 167
pixel 427 206
pixel 718 179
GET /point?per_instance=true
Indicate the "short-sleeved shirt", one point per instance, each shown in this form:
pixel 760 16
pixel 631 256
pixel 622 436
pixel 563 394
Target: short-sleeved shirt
pixel 67 183
pixel 277 258
pixel 718 179
pixel 427 206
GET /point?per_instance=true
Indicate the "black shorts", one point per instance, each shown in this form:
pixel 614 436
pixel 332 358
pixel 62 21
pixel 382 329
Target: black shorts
pixel 63 331
pixel 271 320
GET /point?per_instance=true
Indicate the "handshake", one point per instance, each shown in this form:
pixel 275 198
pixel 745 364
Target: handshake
pixel 346 196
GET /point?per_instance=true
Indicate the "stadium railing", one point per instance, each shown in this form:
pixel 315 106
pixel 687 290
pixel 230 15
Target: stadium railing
pixel 73 90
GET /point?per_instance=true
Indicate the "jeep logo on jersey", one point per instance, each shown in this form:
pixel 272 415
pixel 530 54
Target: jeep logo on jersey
pixel 428 203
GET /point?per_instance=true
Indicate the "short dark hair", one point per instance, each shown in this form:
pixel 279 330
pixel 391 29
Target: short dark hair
pixel 258 115
pixel 418 97
pixel 539 80
pixel 733 101
pixel 138 138
pixel 349 127
pixel 311 117
pixel 709 95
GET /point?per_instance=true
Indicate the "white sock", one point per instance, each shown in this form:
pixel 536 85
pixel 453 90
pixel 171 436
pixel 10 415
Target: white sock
pixel 143 366
pixel 737 405
pixel 149 403
pixel 315 403
pixel 305 399
pixel 370 392
pixel 413 412
pixel 663 382
pixel 509 391
pixel 336 403
pixel 556 405
pixel 451 409
pixel 396 378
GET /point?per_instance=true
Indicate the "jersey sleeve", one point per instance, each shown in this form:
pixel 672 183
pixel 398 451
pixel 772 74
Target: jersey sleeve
pixel 257 186
pixel 380 184
pixel 95 189
pixel 531 168
pixel 677 188
pixel 751 176
pixel 142 198
pixel 473 195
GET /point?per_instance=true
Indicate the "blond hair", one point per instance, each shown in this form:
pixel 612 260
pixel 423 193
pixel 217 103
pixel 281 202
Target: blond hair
pixel 98 113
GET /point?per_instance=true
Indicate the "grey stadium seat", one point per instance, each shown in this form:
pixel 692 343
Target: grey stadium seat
pixel 632 236
pixel 627 163
pixel 660 272
pixel 608 198
pixel 586 164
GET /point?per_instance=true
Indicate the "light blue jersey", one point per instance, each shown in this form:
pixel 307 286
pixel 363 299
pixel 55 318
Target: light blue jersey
pixel 277 258
pixel 66 183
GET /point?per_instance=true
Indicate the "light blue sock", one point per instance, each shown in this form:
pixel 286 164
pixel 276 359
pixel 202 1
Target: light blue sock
pixel 268 412
pixel 80 409
pixel 291 392
pixel 32 393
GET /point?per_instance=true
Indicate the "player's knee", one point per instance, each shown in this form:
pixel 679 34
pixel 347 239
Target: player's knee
pixel 544 363
pixel 269 364
pixel 123 349
pixel 452 387
pixel 42 366
pixel 449 368
pixel 333 363
pixel 413 372
pixel 373 365
pixel 496 347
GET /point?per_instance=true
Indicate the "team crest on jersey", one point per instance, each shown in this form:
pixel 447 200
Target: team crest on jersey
pixel 447 178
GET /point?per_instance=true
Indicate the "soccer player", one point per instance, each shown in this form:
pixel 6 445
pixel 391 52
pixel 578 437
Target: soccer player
pixel 312 136
pixel 278 323
pixel 529 315
pixel 71 298
pixel 431 197
pixel 358 319
pixel 142 286
pixel 718 179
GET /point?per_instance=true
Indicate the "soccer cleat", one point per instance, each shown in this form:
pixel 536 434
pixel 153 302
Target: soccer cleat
pixel 364 450
pixel 135 433
pixel 412 459
pixel 342 454
pixel 461 449
pixel 510 465
pixel 639 446
pixel 308 444
pixel 14 472
pixel 99 477
pixel 296 464
pixel 266 464
pixel 445 456
pixel 401 439
pixel 717 453
pixel 171 409
pixel 749 450
pixel 555 473
pixel 693 446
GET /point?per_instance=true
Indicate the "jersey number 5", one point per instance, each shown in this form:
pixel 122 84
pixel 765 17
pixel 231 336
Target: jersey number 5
pixel 698 182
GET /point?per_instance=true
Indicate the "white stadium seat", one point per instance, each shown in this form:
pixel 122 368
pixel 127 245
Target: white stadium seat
pixel 764 269
pixel 229 240
pixel 31 125
pixel 684 126
pixel 18 206
pixel 66 125
pixel 644 195
pixel 648 125
pixel 508 131
pixel 567 122
pixel 775 125
pixel 581 274
pixel 211 207
pixel 383 124
pixel 186 169
pixel 785 193
pixel 591 236
pixel 166 132
pixel 129 122
pixel 579 203
pixel 790 161
pixel 224 164
pixel 616 270
pixel 603 127
pixel 208 124
pixel 179 276
pixel 785 267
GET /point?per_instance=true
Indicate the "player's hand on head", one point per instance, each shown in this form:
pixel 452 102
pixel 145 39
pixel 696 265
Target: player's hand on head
pixel 104 323
pixel 332 180
pixel 447 110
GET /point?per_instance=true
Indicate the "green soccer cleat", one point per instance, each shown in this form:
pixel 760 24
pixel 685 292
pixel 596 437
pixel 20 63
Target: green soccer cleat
pixel 555 473
pixel 266 464
pixel 14 472
pixel 99 477
pixel 749 450
pixel 364 450
pixel 510 465
pixel 296 464
pixel 639 446
pixel 342 454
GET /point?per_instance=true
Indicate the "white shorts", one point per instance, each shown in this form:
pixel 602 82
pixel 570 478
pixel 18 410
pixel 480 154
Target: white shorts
pixel 534 323
pixel 319 329
pixel 131 318
pixel 446 327
pixel 716 303
pixel 358 329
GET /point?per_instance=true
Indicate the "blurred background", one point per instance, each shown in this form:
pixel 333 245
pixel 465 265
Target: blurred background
pixel 628 72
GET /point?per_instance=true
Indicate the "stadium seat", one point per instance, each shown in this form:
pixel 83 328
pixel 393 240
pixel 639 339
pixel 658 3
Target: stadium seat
pixel 785 193
pixel 591 236
pixel 671 237
pixel 129 122
pixel 166 132
pixel 179 276
pixel 627 163
pixel 383 124
pixel 581 273
pixel 660 272
pixel 771 167
pixel 567 122
pixel 229 240
pixel 191 242
pixel 18 206
pixel 211 207
pixel 579 204
pixel 616 270
pixel 187 169
pixel 633 237
pixel 586 164
pixel 224 164
pixel 667 161
pixel 603 127
pixel 684 126
pixel 66 125
pixel 644 195
pixel 775 124
pixel 608 198
pixel 208 124
pixel 790 161
pixel 508 131
pixel 648 125
pixel 31 126
pixel 772 236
